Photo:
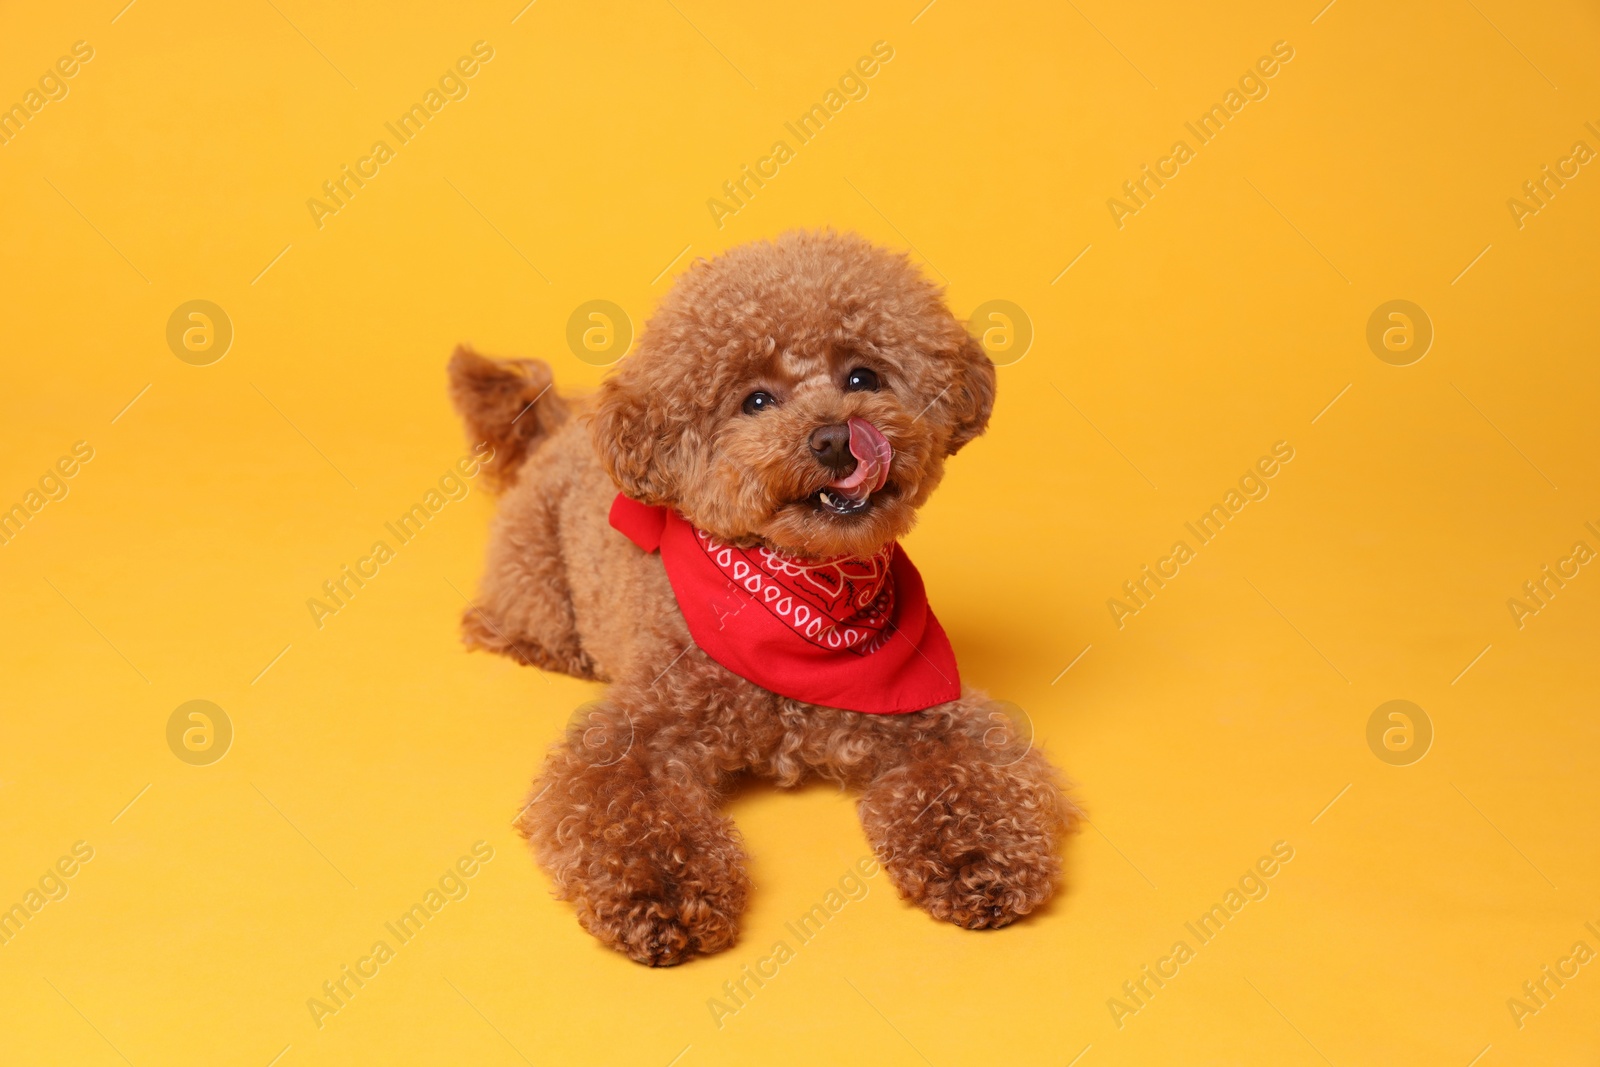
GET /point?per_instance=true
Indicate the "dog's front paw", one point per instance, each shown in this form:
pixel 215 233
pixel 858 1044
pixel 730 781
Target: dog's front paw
pixel 667 928
pixel 978 846
pixel 654 870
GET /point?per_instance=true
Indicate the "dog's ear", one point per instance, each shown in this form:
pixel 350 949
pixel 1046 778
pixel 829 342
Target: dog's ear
pixel 971 395
pixel 633 438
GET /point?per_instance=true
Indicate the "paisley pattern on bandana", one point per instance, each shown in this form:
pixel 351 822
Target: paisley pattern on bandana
pixel 841 603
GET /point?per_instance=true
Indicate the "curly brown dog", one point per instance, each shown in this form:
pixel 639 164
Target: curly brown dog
pixel 795 399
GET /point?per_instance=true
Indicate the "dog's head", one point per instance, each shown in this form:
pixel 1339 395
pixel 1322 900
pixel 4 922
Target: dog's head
pixel 802 394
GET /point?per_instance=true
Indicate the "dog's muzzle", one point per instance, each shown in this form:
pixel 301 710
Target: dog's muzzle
pixel 860 455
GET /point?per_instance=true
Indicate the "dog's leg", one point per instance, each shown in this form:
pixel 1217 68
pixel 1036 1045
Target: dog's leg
pixel 524 604
pixel 967 818
pixel 636 841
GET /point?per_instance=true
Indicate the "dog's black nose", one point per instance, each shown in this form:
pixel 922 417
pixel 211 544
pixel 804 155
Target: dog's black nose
pixel 831 446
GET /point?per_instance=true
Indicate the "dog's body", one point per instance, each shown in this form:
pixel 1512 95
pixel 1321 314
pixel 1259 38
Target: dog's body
pixel 557 592
pixel 965 816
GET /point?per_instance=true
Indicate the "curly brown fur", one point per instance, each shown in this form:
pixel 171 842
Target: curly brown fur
pixel 499 401
pixel 624 817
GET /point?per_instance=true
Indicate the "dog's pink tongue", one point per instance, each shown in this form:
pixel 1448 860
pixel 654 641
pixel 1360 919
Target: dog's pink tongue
pixel 873 454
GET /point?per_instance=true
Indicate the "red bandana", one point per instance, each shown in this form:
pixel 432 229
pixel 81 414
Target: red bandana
pixel 843 632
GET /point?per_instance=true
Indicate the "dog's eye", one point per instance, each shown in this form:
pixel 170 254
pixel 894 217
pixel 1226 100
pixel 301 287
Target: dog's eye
pixel 759 401
pixel 861 380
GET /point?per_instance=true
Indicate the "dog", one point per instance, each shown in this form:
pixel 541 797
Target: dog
pixel 715 534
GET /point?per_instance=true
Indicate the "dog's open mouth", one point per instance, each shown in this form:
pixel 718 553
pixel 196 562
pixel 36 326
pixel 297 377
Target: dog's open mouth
pixel 838 504
pixel 852 493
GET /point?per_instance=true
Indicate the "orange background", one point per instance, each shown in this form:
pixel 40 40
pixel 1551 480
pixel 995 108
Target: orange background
pixel 1228 714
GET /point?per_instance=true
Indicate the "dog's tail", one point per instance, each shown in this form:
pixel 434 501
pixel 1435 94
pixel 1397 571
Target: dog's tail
pixel 510 404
